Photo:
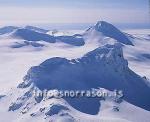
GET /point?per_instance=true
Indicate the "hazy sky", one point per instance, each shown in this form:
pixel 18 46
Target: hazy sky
pixel 73 11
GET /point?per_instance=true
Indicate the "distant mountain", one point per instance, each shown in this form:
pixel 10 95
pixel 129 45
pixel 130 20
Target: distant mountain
pixel 31 35
pixel 72 40
pixel 102 33
pixel 103 67
pixel 108 30
pixel 36 29
pixel 7 29
pixel 26 43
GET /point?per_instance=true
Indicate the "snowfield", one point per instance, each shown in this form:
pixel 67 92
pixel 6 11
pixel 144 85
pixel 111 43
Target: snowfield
pixel 80 55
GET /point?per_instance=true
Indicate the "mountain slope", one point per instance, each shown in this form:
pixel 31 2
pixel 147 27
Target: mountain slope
pixel 104 29
pixel 102 33
pixel 72 40
pixel 40 30
pixel 26 107
pixel 31 35
pixel 103 67
pixel 7 29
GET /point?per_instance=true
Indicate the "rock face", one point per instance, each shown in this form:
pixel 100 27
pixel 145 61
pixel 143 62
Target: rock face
pixel 103 67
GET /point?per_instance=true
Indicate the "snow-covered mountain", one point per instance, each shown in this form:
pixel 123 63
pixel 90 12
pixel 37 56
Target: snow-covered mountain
pixel 36 29
pixel 102 30
pixel 104 67
pixel 111 31
pixel 28 108
pixel 92 60
pixel 7 29
pixel 102 33
pixel 30 35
